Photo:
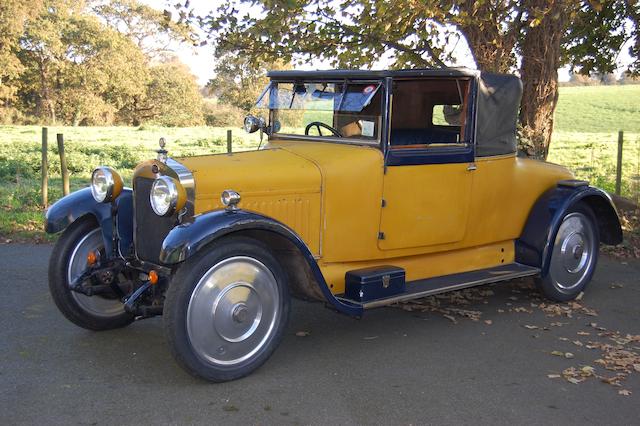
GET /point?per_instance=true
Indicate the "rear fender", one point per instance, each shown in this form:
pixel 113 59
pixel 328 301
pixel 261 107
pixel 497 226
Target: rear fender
pixel 534 246
pixel 81 203
pixel 187 239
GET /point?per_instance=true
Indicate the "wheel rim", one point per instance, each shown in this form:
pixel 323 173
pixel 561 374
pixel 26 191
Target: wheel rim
pixel 573 252
pixel 94 305
pixel 233 311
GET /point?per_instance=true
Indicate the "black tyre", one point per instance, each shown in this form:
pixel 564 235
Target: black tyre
pixel 226 309
pixel 68 260
pixel 574 256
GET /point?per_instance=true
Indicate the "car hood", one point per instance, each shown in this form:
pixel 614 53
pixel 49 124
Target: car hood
pixel 256 175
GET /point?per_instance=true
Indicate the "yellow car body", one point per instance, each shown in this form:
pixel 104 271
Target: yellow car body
pixel 449 226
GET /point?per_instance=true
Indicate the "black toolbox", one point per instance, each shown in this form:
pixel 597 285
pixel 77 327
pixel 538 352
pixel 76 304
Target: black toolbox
pixel 378 282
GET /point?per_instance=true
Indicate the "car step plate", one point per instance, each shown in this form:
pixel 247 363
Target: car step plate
pixel 436 285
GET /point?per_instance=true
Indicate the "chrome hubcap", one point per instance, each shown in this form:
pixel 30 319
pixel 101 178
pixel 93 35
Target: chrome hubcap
pixel 233 311
pixel 94 305
pixel 573 252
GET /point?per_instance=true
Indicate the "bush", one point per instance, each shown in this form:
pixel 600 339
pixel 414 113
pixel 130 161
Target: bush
pixel 10 115
pixel 221 115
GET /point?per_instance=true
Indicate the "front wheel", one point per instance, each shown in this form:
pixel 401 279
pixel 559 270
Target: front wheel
pixel 574 256
pixel 226 309
pixel 68 261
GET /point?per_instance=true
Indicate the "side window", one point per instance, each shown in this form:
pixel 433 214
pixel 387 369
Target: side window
pixel 428 121
pixel 447 115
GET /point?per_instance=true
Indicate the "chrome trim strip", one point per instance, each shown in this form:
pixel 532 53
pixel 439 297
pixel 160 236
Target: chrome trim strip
pixel 504 276
pixel 186 180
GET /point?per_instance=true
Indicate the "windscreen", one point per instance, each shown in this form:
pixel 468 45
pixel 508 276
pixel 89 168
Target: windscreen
pixel 337 110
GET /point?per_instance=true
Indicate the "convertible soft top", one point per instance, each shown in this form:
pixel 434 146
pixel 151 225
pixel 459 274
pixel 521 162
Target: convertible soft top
pixel 497 114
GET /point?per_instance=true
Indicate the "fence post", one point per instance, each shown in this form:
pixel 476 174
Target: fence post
pixel 63 165
pixel 619 165
pixel 45 168
pixel 229 140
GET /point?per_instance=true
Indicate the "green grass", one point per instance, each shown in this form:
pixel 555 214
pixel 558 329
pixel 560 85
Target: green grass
pixel 585 140
pixel 585 137
pixel 21 209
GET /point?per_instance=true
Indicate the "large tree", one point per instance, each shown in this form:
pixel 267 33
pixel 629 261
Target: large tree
pixel 357 33
pixel 13 14
pixel 75 68
pixel 172 97
pixel 152 30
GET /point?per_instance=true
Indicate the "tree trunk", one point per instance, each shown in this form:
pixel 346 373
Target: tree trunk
pixel 539 72
pixel 491 44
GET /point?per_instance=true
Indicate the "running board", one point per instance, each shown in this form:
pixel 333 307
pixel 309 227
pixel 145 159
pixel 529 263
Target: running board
pixel 443 284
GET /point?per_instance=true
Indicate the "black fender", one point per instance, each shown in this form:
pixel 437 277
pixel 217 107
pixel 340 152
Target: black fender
pixel 185 240
pixel 81 203
pixel 534 246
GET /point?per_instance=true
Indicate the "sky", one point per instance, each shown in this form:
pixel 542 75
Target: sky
pixel 201 60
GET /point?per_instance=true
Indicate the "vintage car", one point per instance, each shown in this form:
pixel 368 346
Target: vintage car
pixel 373 187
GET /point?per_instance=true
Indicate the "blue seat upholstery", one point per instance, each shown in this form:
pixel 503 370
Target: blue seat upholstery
pixel 423 136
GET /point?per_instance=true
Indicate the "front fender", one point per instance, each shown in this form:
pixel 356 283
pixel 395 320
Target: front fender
pixel 185 240
pixel 536 242
pixel 81 203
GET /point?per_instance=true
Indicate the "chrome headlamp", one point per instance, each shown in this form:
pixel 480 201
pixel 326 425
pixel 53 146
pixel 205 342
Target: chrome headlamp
pixel 167 196
pixel 106 184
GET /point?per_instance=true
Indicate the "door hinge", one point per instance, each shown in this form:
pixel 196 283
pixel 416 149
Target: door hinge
pixel 384 203
pixel 472 167
pixel 381 235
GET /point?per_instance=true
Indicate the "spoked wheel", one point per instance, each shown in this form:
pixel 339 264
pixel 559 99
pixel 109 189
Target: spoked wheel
pixel 68 261
pixel 574 256
pixel 226 310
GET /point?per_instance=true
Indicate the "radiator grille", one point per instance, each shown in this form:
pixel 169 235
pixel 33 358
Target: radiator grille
pixel 150 228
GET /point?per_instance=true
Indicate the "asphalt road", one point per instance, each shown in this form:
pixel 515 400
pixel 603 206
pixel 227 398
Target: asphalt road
pixel 392 367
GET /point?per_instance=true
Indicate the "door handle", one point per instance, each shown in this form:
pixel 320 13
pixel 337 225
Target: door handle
pixel 472 167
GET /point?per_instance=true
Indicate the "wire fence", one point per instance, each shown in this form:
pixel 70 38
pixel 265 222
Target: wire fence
pixel 594 157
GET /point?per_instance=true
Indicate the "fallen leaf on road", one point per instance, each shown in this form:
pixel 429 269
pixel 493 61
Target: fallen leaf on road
pixel 588 370
pixel 553 376
pixel 574 380
pixel 564 339
pixel 531 327
pixel 370 337
pixel 568 355
pixel 580 296
pixel 302 333
pixel 624 392
pixel 450 318
pixel 557 353
pixel 577 343
pixel 488 322
pixel 583 333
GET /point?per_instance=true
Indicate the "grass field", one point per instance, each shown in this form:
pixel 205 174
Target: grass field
pixel 585 139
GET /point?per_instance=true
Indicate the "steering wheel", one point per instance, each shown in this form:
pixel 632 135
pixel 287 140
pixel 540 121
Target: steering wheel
pixel 319 125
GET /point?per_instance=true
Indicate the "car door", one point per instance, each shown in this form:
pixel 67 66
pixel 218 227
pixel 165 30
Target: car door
pixel 428 178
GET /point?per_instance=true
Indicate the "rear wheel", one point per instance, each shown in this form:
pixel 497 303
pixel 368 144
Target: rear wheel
pixel 226 309
pixel 574 256
pixel 68 261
